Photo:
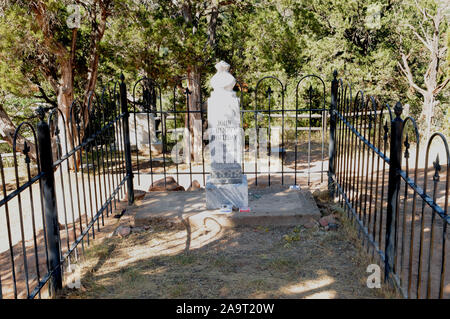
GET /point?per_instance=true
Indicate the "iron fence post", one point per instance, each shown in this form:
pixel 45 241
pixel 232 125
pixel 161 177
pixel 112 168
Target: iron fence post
pixel 393 188
pixel 126 139
pixel 332 145
pixel 49 201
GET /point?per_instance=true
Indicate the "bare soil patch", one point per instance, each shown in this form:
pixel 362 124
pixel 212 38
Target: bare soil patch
pixel 243 262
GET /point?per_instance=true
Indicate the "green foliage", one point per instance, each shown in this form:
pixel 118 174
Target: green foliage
pixel 284 38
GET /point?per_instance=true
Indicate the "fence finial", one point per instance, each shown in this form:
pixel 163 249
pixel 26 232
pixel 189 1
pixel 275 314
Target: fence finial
pixel 122 77
pixel 335 73
pixel 437 169
pixel 40 112
pixel 398 109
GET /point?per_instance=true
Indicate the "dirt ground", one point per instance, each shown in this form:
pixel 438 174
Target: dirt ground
pixel 245 262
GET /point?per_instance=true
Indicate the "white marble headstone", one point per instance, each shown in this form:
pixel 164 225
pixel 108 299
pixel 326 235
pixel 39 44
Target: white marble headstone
pixel 224 117
pixel 226 185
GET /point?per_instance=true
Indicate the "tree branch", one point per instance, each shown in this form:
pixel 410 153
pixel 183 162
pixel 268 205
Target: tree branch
pixel 425 41
pixel 408 74
pixel 45 97
pixel 441 86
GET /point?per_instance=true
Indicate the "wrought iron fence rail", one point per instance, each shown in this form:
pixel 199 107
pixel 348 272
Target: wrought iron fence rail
pixel 363 139
pixel 21 188
pixel 426 198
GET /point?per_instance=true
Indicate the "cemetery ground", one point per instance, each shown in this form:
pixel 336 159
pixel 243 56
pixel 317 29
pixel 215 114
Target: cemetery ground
pixel 173 261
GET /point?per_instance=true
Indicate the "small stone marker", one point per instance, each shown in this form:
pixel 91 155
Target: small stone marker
pixel 143 133
pixel 226 185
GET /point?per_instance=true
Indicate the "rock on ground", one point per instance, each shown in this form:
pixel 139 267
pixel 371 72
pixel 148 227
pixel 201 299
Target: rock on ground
pixel 138 194
pixel 310 224
pixel 195 186
pixel 321 195
pixel 171 185
pixel 123 231
pixel 326 220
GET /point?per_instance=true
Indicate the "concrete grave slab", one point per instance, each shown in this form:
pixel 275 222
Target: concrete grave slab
pixel 274 206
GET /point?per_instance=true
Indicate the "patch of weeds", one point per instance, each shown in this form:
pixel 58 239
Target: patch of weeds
pixel 220 261
pixel 101 250
pixel 177 290
pixel 264 256
pixel 330 236
pixel 297 229
pixel 131 274
pixel 362 259
pixel 282 264
pixel 223 263
pixel 151 263
pixel 262 228
pixel 258 284
pixel 292 237
pixel 184 259
pixel 95 288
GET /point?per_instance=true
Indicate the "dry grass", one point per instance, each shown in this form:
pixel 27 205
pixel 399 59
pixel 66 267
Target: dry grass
pixel 362 257
pixel 284 262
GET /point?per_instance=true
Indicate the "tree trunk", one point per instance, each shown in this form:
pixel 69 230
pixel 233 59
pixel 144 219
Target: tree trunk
pixel 212 27
pixel 195 104
pixel 426 116
pixel 65 99
pixel 430 38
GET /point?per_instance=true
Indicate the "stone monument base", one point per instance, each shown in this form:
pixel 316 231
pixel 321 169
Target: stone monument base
pixel 226 194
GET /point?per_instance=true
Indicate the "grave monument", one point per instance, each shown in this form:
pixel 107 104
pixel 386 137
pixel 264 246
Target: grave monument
pixel 226 184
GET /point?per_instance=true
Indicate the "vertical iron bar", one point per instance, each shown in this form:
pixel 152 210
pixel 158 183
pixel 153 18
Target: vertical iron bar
pixel 378 145
pixel 296 135
pixel 189 137
pixel 86 150
pixel 257 136
pixel 347 142
pixel 332 142
pixel 8 227
pixel 405 205
pixel 22 232
pixel 150 138
pixel 309 134
pixel 282 135
pixel 436 178
pixel 393 189
pixel 385 139
pixel 374 119
pixel 126 139
pixel 269 91
pixel 49 197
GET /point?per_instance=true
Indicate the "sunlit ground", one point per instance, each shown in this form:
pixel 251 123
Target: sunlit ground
pixel 240 263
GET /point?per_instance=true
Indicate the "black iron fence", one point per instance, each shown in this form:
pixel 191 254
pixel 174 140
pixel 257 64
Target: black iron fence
pixel 378 174
pixel 93 156
pixel 284 127
pixel 51 210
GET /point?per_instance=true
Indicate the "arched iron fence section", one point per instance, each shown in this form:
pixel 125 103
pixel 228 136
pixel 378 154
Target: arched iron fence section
pixel 402 222
pixel 51 212
pixel 85 164
pixel 263 114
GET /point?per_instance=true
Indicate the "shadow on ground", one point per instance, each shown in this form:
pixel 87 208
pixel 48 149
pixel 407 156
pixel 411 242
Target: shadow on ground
pixel 245 262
